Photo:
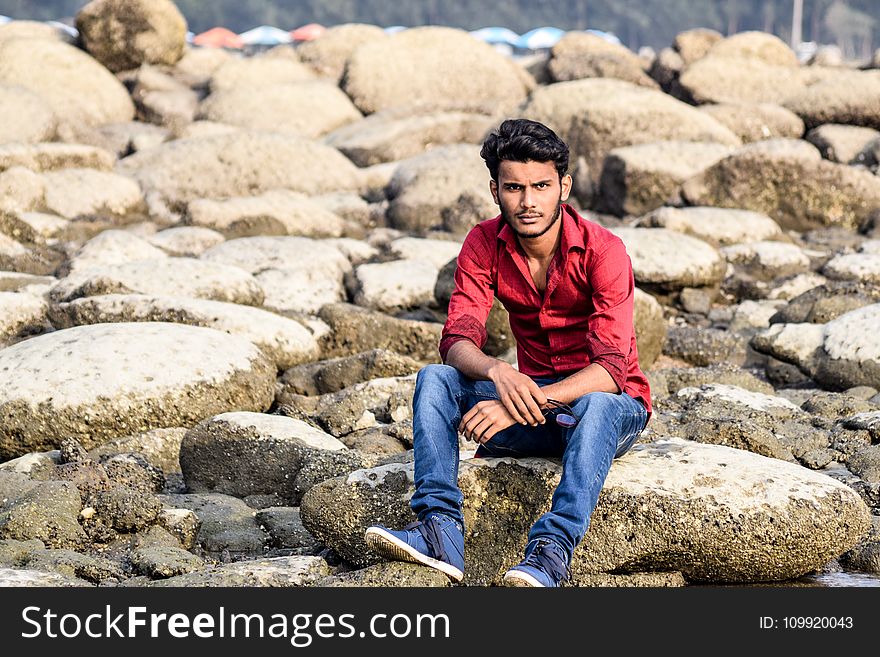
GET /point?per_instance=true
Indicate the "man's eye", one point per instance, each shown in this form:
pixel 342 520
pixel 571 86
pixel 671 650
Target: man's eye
pixel 541 185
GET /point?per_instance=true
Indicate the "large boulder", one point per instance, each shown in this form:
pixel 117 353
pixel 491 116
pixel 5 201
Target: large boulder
pixel 176 277
pixel 260 71
pixel 851 99
pixel 668 261
pixel 284 572
pixel 413 66
pixel 20 315
pixel 395 285
pixel 400 133
pixel 334 374
pixel 847 144
pixel 24 116
pixel 650 328
pixel 77 88
pixel 457 200
pixel 582 55
pixel 240 164
pixel 594 116
pixel 756 121
pixel 790 182
pixel 243 454
pixel 309 109
pixel 87 193
pixel 284 341
pixel 123 34
pixel 54 156
pixel 715 79
pixel 96 383
pixel 761 46
pixel 329 53
pixel 694 44
pixel 719 226
pixel 637 179
pixel 716 514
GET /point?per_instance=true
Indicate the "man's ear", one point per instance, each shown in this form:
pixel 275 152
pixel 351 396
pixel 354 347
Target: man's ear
pixel 493 187
pixel 565 187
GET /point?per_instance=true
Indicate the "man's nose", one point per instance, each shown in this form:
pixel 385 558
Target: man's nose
pixel 527 200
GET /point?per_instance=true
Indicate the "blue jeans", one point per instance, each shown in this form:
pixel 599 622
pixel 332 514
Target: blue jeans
pixel 608 426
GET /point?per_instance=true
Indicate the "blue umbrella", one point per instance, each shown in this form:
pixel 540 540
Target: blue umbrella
pixel 265 35
pixel 4 20
pixel 540 38
pixel 496 35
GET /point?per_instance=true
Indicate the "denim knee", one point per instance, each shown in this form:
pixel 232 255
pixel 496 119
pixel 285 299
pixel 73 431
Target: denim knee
pixel 435 373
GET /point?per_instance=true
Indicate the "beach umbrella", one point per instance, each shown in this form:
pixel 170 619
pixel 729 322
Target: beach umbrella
pixel 265 35
pixel 391 29
pixel 496 35
pixel 540 38
pixel 218 37
pixel 4 20
pixel 307 32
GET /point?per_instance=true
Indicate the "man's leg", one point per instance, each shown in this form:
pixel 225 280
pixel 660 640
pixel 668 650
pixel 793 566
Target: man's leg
pixel 607 427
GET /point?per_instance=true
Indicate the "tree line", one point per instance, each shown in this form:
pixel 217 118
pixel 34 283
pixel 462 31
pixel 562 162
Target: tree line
pixel 854 25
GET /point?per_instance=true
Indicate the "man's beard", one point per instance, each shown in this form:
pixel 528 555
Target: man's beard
pixel 507 216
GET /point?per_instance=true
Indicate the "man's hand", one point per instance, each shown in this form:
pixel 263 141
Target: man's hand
pixel 484 420
pixel 519 394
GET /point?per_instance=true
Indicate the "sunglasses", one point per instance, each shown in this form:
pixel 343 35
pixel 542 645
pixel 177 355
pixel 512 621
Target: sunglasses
pixel 562 413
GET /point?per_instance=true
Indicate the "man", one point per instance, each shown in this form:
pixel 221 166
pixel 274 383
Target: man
pixel 567 284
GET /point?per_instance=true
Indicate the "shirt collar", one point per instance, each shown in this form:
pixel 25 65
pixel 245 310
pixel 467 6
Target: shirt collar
pixel 572 235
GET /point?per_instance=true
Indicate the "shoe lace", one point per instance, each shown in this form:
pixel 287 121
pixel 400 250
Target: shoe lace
pixel 550 558
pixel 430 531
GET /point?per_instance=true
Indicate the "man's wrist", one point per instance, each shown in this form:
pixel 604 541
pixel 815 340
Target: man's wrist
pixel 496 368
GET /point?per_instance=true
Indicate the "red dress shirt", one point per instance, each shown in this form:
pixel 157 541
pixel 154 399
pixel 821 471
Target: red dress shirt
pixel 584 316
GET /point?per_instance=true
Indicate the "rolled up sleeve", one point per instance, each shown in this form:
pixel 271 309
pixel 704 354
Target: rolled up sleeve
pixel 610 326
pixel 472 297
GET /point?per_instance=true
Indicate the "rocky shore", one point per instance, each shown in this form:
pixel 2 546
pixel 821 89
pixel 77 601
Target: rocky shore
pixel 220 274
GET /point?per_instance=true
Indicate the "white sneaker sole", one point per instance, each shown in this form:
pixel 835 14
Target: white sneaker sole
pixel 520 578
pixel 388 545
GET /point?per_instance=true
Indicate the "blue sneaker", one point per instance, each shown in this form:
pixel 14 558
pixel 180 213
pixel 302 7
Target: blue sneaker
pixel 437 542
pixel 545 564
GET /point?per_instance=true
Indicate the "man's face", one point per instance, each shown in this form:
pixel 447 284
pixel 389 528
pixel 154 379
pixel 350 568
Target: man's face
pixel 529 195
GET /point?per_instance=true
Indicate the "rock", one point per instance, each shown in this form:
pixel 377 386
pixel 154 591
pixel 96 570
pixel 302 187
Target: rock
pixel 743 434
pixel 851 354
pixel 767 260
pixel 278 212
pixel 48 511
pixel 646 512
pixel 284 341
pixel 382 440
pixel 735 80
pixel 113 247
pixel 279 571
pixel 718 226
pixel 296 274
pixel 261 71
pixel 244 454
pixel 309 109
pixel 826 301
pixel 760 46
pixel 436 252
pixel 174 277
pixel 798 344
pixel 337 373
pixel 160 447
pixel 666 68
pixel 694 44
pixel 866 464
pixel 865 556
pixel 781 179
pixel 197 65
pixel 286 529
pixel 21 315
pixel 718 373
pixel 391 573
pixel 11 281
pixel 123 34
pixel 650 328
pixel 237 164
pixel 25 116
pixel 36 465
pixel 638 179
pixel 85 193
pixel 859 267
pixel 186 241
pixel 408 131
pixel 420 201
pixel 356 329
pixel 35 578
pixel 162 562
pixel 76 87
pixel 15 257
pixel 669 260
pixel 756 121
pixel 395 285
pixel 704 347
pixel 581 55
pixel 122 139
pixel 594 116
pixel 25 29
pixel 750 315
pixel 850 99
pixel 847 144
pixel 43 158
pixel 75 565
pixel 413 65
pixel 182 524
pixel 132 470
pixel 45 395
pixel 329 53
pixel 225 524
pixel 126 509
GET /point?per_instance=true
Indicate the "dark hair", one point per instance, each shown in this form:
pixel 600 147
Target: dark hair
pixel 522 140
